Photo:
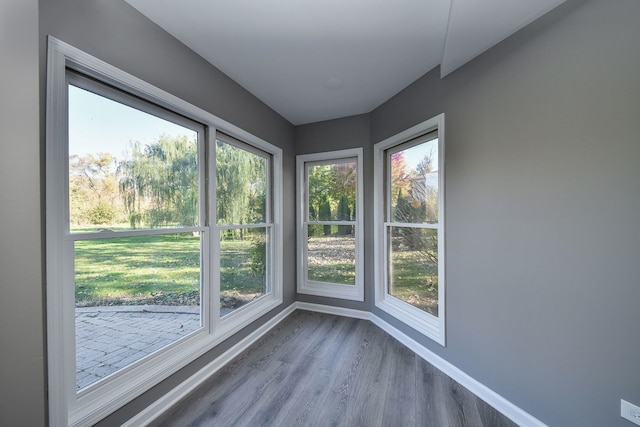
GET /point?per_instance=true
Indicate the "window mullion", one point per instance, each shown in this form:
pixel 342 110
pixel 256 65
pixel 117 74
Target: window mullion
pixel 433 226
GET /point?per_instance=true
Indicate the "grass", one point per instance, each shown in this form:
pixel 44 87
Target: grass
pixel 158 269
pixel 335 272
pixel 331 259
pixel 165 270
pixel 415 280
pixel 239 283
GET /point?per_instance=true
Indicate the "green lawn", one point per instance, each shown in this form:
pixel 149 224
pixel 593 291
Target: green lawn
pixel 240 279
pixel 330 258
pixel 160 269
pixel 335 272
pixel 415 280
pixel 165 270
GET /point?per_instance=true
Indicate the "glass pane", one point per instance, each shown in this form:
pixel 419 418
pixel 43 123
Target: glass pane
pixel 127 168
pixel 243 267
pixel 332 191
pixel 414 184
pixel 241 189
pixel 331 258
pixel 413 266
pixel 134 295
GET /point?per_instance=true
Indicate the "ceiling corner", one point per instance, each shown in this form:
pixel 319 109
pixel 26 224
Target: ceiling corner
pixel 475 27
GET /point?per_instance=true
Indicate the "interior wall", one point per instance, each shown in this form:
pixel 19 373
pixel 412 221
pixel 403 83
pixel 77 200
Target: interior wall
pixel 542 197
pixel 22 378
pixel 116 33
pixel 542 210
pixel 340 134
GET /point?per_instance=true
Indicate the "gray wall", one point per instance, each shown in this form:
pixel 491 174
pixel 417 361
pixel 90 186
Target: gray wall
pixel 349 132
pixel 542 197
pixel 543 202
pixel 116 33
pixel 543 240
pixel 22 393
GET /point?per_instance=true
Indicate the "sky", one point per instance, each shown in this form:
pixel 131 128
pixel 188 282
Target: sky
pixel 413 155
pixel 98 124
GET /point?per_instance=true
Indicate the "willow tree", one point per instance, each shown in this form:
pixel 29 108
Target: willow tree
pixel 159 184
pixel 241 185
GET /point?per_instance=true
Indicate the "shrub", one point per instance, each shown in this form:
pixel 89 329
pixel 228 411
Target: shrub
pixel 258 254
pixel 102 213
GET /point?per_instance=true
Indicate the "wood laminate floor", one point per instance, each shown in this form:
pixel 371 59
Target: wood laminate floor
pixel 322 370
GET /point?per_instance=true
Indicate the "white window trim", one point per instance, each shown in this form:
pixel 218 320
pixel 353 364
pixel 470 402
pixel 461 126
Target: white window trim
pixel 333 290
pixel 241 316
pixel 429 325
pixel 66 407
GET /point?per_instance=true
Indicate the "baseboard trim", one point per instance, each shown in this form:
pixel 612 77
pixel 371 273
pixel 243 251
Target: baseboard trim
pixel 157 408
pixel 508 409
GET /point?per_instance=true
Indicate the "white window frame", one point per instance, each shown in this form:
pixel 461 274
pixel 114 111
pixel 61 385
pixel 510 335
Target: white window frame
pixel 66 406
pixel 333 290
pixel 237 316
pixel 429 325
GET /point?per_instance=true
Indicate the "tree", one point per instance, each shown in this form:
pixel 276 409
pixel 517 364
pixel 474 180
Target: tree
pixel 420 240
pixel 324 212
pixel 241 186
pixel 428 189
pixel 93 189
pixel 344 214
pixel 344 181
pixel 400 178
pixel 159 185
pixel 425 165
pixel 332 188
pixel 320 190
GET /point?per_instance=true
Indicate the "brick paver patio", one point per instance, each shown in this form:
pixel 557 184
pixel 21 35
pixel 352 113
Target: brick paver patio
pixel 110 338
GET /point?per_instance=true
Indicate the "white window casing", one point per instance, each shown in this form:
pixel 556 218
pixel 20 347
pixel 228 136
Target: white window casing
pixel 353 292
pixel 432 326
pixel 66 406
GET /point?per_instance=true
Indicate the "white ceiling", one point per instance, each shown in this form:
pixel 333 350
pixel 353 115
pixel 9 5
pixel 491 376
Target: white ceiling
pixel 313 60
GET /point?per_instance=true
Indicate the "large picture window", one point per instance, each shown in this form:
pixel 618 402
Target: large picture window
pixel 163 234
pixel 329 224
pixel 409 220
pixel 134 204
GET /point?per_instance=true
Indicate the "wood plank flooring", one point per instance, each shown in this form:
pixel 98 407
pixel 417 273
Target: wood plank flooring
pixel 322 370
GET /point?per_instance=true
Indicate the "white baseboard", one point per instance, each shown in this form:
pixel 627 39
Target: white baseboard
pixel 508 409
pixel 158 407
pixel 511 411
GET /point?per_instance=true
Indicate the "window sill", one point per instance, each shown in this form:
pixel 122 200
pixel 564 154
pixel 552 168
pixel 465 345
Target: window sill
pixel 423 322
pixel 332 290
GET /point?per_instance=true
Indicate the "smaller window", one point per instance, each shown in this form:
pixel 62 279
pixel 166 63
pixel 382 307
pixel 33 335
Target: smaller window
pixel 409 224
pixel 329 224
